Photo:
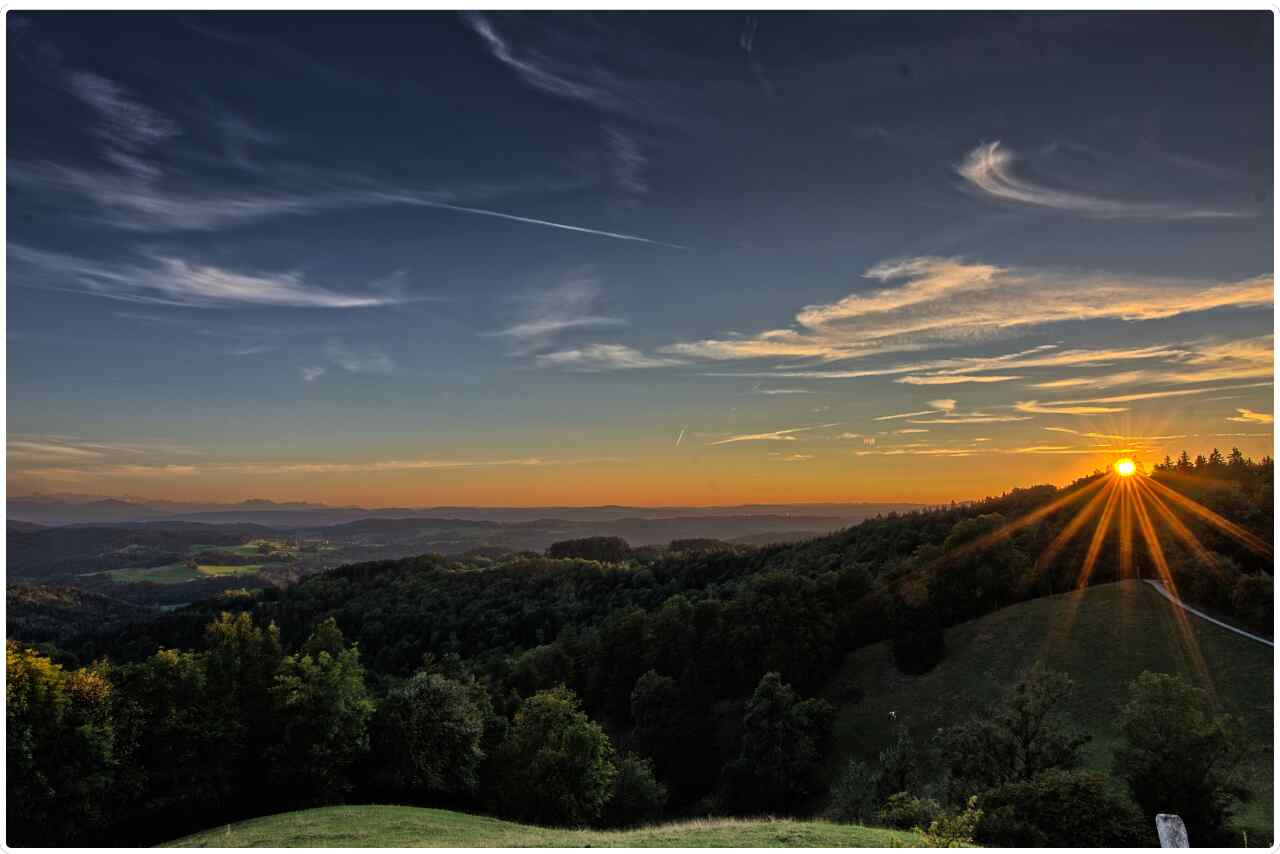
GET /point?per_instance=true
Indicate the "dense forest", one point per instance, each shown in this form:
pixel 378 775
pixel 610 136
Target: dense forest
pixel 598 684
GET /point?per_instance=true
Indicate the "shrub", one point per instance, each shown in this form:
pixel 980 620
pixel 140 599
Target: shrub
pixel 1060 809
pixel 905 811
pixel 954 831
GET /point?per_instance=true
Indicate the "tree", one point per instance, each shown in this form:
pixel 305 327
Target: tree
pixel 897 766
pixel 1060 809
pixel 60 749
pixel 430 734
pixel 557 764
pixel 604 549
pixel 637 797
pixel 1016 739
pixel 855 796
pixel 321 713
pixel 182 736
pixel 1179 756
pixel 675 731
pixel 782 742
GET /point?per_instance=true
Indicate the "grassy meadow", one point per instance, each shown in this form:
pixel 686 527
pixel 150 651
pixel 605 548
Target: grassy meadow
pixel 416 827
pixel 1103 637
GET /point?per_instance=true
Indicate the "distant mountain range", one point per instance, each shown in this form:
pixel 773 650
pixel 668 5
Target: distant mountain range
pixel 85 509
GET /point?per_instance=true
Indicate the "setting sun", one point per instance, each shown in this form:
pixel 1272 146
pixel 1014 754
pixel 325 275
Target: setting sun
pixel 1125 467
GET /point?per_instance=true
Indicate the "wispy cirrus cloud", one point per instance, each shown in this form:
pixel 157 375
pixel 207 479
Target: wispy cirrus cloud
pixel 1248 416
pixel 173 281
pixel 31 448
pixel 628 161
pixel 257 469
pixel 126 127
pixel 1104 405
pixel 788 435
pixel 989 168
pixel 359 361
pixel 540 71
pixel 977 418
pixel 930 302
pixel 571 305
pixel 955 379
pixel 593 358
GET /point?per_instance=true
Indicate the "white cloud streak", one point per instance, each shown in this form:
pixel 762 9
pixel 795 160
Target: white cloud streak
pixel 772 436
pixel 989 168
pixel 173 281
pixel 593 358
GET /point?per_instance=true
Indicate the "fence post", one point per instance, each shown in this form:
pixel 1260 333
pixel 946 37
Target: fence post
pixel 1173 833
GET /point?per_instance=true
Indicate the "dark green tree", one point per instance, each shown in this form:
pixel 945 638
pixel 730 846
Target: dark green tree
pixel 429 736
pixel 60 749
pixel 1024 734
pixel 637 797
pixel 1180 756
pixel 557 765
pixel 783 738
pixel 321 714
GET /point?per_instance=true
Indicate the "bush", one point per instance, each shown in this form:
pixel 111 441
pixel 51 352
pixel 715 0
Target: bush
pixel 905 811
pixel 1060 809
pixel 638 797
pixel 855 796
pixel 954 831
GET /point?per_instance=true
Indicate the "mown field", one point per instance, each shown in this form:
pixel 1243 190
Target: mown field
pixel 179 573
pixel 1103 637
pixel 416 827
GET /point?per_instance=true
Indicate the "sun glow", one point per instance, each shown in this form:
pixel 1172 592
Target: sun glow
pixel 1125 467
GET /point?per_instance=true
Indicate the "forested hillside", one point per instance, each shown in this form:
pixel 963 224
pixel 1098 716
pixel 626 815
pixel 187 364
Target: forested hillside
pixel 680 675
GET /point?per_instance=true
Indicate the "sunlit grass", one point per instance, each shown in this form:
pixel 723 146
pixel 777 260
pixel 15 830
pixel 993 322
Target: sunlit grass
pixel 415 827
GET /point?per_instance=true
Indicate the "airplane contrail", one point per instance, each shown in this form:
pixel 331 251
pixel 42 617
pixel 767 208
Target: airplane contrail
pixel 412 200
pixel 680 438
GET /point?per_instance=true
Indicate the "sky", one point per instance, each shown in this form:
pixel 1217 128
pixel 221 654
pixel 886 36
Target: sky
pixel 521 259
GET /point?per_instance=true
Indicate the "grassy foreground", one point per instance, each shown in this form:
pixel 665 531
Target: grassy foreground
pixel 1103 637
pixel 416 827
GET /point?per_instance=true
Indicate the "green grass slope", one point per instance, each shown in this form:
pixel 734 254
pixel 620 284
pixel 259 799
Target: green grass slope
pixel 416 827
pixel 1103 637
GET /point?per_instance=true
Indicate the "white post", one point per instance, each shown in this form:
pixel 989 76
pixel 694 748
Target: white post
pixel 1173 833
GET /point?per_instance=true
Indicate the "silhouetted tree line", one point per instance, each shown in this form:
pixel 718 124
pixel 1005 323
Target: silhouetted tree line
pixel 679 676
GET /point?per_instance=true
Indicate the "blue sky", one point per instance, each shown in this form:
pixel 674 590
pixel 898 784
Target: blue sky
pixel 645 258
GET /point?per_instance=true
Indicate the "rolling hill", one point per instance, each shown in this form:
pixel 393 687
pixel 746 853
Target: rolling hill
pixel 410 827
pixel 1103 637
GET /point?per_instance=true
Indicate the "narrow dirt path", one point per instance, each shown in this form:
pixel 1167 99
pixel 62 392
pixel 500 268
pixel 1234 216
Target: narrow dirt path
pixel 1160 588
